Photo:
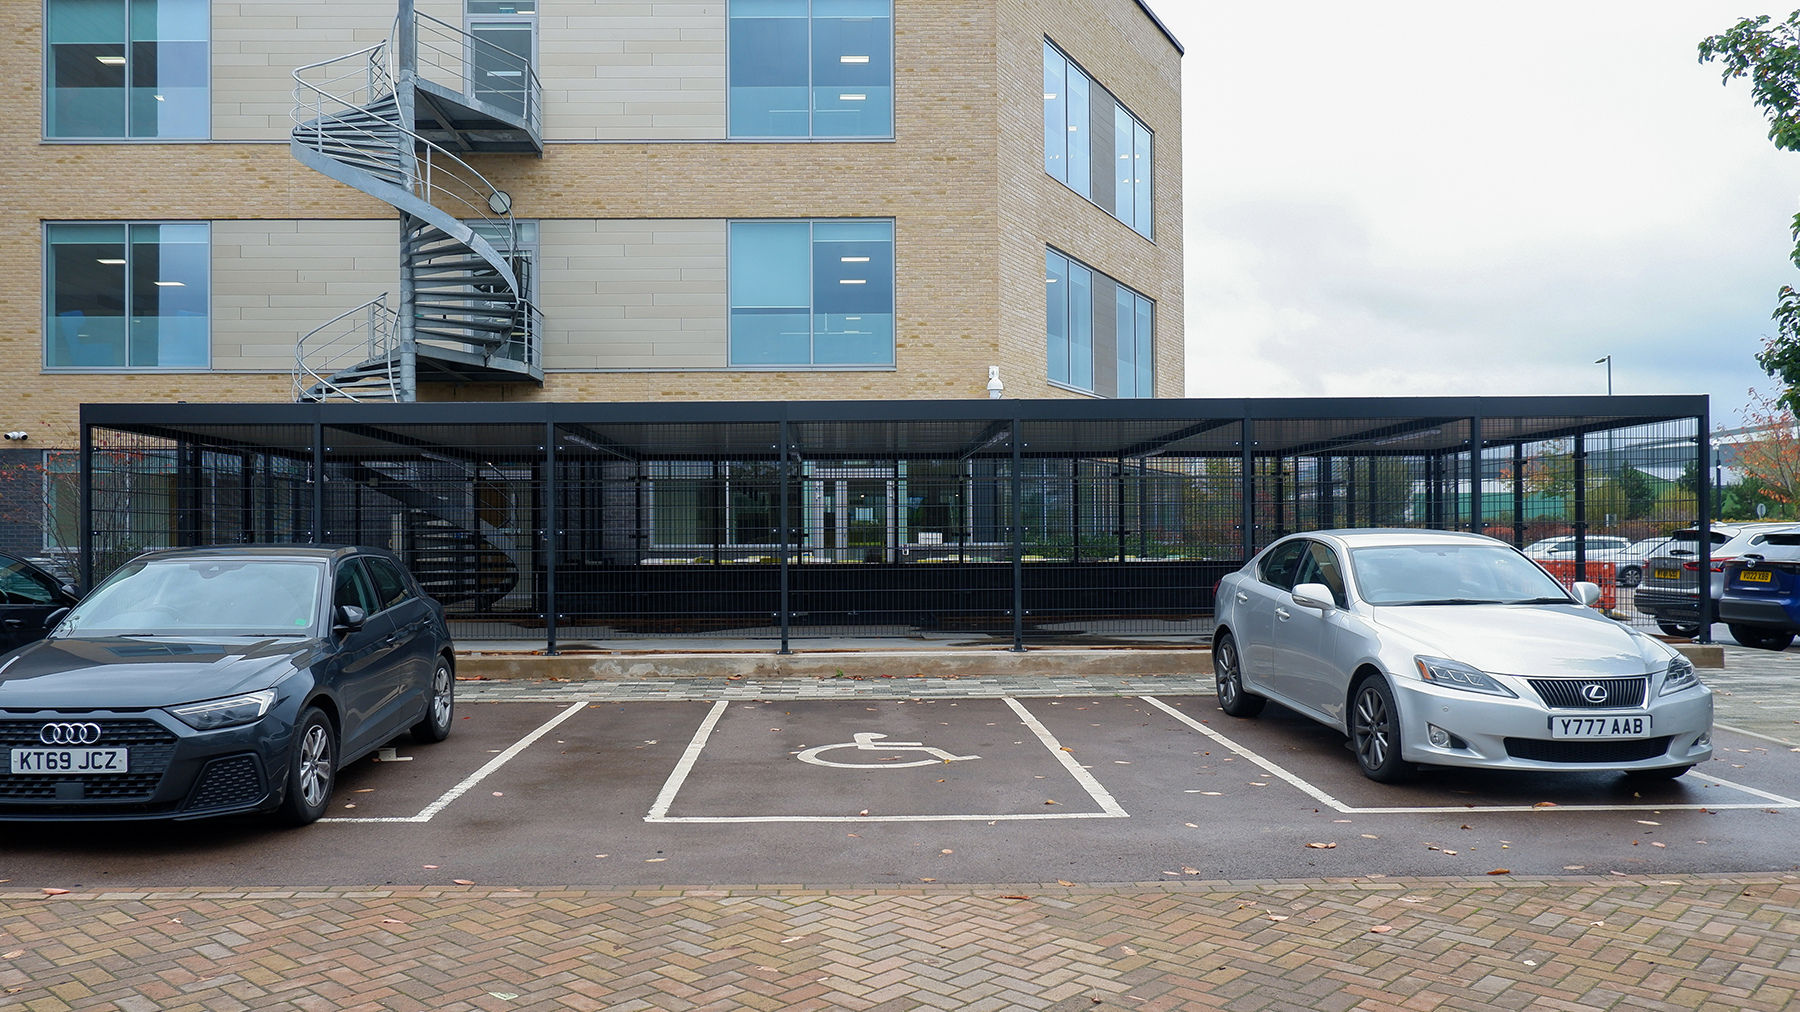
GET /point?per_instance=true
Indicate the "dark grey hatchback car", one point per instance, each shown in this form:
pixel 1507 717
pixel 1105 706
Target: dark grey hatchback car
pixel 211 681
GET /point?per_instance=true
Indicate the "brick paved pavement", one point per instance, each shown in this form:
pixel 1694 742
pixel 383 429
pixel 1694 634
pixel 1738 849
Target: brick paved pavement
pixel 1714 943
pixel 1576 943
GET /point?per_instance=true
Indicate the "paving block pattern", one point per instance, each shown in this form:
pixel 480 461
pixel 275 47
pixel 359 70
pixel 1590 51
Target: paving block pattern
pixel 1722 943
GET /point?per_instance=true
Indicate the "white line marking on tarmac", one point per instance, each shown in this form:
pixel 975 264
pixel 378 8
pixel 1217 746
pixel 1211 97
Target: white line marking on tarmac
pixel 659 810
pixel 1773 800
pixel 1753 734
pixel 481 774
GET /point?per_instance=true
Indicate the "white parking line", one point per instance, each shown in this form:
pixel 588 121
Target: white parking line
pixel 481 774
pixel 1772 800
pixel 659 810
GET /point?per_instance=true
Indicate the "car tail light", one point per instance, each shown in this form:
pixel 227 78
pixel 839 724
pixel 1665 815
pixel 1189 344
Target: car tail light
pixel 1718 565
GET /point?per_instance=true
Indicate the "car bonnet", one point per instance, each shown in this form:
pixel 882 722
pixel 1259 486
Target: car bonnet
pixel 1534 640
pixel 135 673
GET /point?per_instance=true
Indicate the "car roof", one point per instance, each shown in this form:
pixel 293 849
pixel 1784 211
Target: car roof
pixel 1360 537
pixel 320 553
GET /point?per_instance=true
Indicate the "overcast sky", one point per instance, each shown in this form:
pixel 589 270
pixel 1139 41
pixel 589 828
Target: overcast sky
pixel 1400 197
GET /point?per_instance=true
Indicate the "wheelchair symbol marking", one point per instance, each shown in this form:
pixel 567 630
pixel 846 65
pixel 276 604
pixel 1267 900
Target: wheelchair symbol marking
pixel 866 742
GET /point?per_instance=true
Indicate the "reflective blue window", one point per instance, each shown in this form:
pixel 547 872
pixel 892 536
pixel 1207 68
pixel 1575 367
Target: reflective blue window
pixel 127 296
pixel 128 68
pixel 1074 155
pixel 1083 332
pixel 812 293
pixel 811 68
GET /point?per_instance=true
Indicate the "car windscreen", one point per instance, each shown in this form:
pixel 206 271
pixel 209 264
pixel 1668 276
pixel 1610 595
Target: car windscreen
pixel 227 596
pixel 1451 574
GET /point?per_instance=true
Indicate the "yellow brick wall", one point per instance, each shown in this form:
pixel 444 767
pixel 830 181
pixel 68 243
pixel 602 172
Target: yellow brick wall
pixel 964 183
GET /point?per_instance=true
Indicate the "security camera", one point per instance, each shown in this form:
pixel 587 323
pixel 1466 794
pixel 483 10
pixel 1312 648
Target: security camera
pixel 16 434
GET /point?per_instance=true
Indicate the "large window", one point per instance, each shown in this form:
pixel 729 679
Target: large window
pixel 1094 145
pixel 128 68
pixel 812 293
pixel 1099 334
pixel 811 68
pixel 121 296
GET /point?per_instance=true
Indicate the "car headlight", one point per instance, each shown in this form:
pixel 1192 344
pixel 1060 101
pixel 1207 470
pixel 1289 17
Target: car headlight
pixel 231 712
pixel 1455 675
pixel 1679 675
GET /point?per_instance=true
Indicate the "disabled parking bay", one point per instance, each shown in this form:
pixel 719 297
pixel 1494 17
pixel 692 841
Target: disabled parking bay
pixel 857 790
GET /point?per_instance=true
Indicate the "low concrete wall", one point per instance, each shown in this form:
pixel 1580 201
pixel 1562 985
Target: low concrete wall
pixel 858 664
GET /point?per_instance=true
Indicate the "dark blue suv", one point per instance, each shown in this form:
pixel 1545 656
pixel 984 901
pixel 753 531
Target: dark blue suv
pixel 1761 599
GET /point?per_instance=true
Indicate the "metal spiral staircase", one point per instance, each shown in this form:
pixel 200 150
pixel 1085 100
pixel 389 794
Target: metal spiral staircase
pixel 393 120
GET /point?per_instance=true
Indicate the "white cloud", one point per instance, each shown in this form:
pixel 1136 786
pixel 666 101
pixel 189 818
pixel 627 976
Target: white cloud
pixel 1425 197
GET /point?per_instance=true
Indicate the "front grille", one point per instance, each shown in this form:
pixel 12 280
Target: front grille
pixel 1629 750
pixel 152 747
pixel 234 780
pixel 1566 693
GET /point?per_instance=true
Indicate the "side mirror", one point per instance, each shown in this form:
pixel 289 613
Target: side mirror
pixel 1314 595
pixel 70 589
pixel 1587 593
pixel 54 617
pixel 349 618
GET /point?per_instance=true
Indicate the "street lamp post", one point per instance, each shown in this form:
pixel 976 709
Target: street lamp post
pixel 1608 361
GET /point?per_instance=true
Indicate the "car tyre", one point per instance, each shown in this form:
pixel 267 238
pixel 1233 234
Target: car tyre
pixel 1661 773
pixel 1678 629
pixel 1375 732
pixel 440 705
pixel 1228 678
pixel 311 769
pixel 1761 638
pixel 1631 576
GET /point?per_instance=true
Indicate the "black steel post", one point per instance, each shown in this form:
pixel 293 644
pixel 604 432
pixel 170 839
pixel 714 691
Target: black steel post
pixel 1349 491
pixel 84 537
pixel 781 525
pixel 1476 526
pixel 1580 466
pixel 1518 490
pixel 318 484
pixel 1326 510
pixel 1247 489
pixel 1119 509
pixel 552 516
pixel 1018 533
pixel 1704 485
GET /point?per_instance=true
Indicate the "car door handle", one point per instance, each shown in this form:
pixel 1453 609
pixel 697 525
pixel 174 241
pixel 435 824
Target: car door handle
pixel 1243 598
pixel 14 623
pixel 1282 614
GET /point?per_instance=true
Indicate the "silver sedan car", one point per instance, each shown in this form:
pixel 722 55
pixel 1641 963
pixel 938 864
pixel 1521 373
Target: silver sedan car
pixel 1446 649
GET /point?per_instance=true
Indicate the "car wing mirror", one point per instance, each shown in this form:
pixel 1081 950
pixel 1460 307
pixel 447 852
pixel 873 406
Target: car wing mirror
pixel 1314 595
pixel 1587 593
pixel 54 617
pixel 349 618
pixel 70 589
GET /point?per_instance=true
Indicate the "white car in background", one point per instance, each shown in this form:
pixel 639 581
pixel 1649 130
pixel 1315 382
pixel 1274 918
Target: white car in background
pixel 1600 548
pixel 1449 649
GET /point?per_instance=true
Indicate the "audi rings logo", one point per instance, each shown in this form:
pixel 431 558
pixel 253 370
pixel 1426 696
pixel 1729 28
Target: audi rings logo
pixel 1594 693
pixel 69 734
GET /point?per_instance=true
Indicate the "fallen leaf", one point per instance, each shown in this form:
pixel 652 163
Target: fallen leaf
pixel 1050 802
pixel 602 855
pixel 854 836
pixel 364 790
pixel 350 806
pixel 499 794
pixel 1064 882
pixel 947 850
pixel 15 954
pixel 1185 870
pixel 1382 929
pixel 1370 836
pixel 1647 822
pixel 54 892
pixel 1277 917
pixel 1545 804
pixel 1531 962
pixel 503 995
pixel 1452 853
pixel 1501 871
pixel 1211 794
pixel 1653 843
pixel 653 860
pixel 428 867
pixel 1467 826
pixel 1322 846
pixel 1597 924
pixel 863 812
pixel 928 880
pixel 1190 825
pixel 1573 867
pixel 462 881
pixel 390 920
pixel 1255 783
pixel 1015 897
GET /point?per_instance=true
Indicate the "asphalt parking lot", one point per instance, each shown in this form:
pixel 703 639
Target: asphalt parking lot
pixel 1116 788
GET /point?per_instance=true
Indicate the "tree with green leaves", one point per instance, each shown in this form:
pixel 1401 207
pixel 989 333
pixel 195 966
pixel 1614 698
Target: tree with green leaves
pixel 1767 52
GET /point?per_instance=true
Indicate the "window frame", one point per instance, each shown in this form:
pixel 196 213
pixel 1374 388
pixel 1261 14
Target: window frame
pixel 811 137
pixel 47 81
pixel 1143 353
pixel 1143 187
pixel 812 314
pixel 47 300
